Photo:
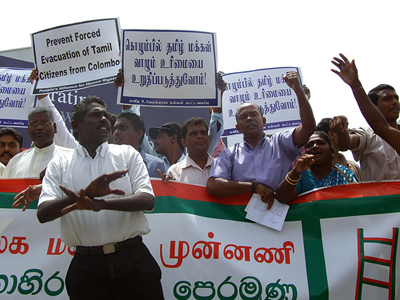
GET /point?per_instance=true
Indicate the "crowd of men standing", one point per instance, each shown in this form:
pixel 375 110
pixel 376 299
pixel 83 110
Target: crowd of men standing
pixel 98 180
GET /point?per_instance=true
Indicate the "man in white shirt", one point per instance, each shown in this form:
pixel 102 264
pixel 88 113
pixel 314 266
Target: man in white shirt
pixel 33 162
pixel 110 262
pixel 195 167
pixel 30 163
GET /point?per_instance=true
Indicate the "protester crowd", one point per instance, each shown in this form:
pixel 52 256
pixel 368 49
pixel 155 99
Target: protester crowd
pixel 104 168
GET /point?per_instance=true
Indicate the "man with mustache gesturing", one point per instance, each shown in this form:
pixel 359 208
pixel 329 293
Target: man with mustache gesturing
pixel 99 191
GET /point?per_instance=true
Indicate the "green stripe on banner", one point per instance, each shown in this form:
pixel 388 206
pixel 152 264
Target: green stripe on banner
pixel 7 199
pixel 337 208
pixel 314 252
pixel 326 208
pixel 170 204
pixel 333 208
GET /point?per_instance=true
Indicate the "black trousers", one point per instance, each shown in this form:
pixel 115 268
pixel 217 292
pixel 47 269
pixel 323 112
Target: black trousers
pixel 129 273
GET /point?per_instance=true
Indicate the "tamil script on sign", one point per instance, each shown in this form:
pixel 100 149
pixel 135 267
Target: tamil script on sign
pixel 266 88
pixel 15 97
pixel 169 68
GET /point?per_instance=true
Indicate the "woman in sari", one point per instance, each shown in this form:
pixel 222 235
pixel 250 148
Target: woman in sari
pixel 314 170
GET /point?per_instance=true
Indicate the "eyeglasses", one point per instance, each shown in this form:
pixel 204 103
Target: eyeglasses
pixel 44 123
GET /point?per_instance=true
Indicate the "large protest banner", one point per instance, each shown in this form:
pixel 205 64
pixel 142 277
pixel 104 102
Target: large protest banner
pixel 15 97
pixel 266 88
pixel 169 68
pixel 76 56
pixel 337 243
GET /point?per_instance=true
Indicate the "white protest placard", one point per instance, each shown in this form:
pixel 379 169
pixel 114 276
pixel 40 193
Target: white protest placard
pixel 15 97
pixel 267 89
pixel 76 56
pixel 169 68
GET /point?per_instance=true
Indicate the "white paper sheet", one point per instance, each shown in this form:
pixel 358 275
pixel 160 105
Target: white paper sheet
pixel 273 218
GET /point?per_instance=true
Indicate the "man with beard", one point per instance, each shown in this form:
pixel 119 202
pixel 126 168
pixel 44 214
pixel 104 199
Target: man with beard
pixel 111 261
pixel 10 145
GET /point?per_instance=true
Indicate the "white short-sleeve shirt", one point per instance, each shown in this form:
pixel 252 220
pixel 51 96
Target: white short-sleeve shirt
pixel 75 171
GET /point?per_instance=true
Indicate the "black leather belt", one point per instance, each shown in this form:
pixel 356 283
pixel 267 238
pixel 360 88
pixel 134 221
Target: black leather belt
pixel 110 248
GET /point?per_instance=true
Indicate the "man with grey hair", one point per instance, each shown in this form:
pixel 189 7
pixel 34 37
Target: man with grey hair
pixel 41 130
pixel 32 162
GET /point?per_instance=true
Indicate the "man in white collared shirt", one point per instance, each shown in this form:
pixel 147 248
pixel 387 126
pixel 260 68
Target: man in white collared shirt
pixel 110 262
pixel 30 163
pixel 195 167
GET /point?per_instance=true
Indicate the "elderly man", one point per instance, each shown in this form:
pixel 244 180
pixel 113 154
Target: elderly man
pixel 129 130
pixel 259 163
pixel 30 163
pixel 10 145
pixel 111 261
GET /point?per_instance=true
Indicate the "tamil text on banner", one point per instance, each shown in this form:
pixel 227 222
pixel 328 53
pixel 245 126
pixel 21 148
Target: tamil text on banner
pixel 169 68
pixel 337 243
pixel 76 56
pixel 266 88
pixel 15 97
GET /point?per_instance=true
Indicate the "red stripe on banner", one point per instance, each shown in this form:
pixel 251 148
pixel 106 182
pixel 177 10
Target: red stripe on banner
pixel 390 241
pixel 354 190
pixel 378 282
pixel 16 185
pixel 195 192
pixel 377 259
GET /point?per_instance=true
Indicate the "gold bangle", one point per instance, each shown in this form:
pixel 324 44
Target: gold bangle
pixel 357 89
pixel 290 180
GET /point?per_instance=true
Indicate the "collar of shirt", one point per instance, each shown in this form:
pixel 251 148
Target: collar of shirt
pixel 259 145
pixel 45 149
pixel 101 150
pixel 189 162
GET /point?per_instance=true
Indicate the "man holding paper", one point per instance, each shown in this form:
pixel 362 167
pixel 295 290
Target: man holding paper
pixel 259 163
